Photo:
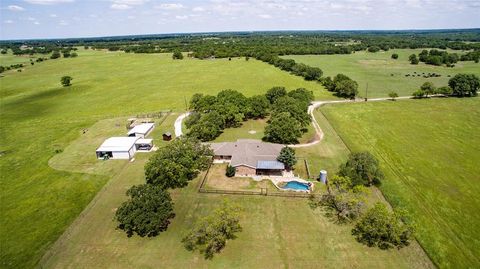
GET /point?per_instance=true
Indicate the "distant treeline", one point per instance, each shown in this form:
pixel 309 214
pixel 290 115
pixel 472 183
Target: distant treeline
pixel 251 44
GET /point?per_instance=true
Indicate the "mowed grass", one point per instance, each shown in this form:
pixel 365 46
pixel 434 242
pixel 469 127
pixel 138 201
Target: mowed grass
pixel 39 116
pixel 429 151
pixel 382 73
pixel 277 233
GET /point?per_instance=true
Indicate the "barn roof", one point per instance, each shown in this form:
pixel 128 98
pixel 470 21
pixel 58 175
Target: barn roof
pixel 143 128
pixel 118 144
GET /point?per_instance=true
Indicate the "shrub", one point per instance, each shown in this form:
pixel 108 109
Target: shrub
pixel 394 56
pixel 230 172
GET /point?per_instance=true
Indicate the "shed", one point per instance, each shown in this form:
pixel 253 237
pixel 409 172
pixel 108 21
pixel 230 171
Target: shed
pixel 167 136
pixel 141 130
pixel 117 148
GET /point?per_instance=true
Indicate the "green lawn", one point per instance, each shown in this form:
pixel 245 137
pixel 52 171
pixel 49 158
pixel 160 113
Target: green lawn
pixel 38 117
pixel 376 69
pixel 429 150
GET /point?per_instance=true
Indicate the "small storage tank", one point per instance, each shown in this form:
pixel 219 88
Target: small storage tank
pixel 323 176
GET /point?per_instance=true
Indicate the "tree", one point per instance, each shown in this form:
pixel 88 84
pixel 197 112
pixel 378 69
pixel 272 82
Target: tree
pixel 210 234
pixel 66 81
pixel 147 212
pixel 259 106
pixel 274 93
pixel 230 171
pixel 373 49
pixel 464 85
pixel 343 201
pixel 73 54
pixel 208 127
pixel 327 82
pixel 393 95
pixel 445 90
pixel 384 229
pixel 287 157
pixel 296 109
pixel 428 88
pixel 302 94
pixel 394 56
pixel 413 59
pixel 55 55
pixel 283 129
pixel 346 88
pixel 362 168
pixel 177 55
pixel 177 163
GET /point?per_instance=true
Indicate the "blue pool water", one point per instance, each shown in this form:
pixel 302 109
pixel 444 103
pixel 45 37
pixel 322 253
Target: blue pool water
pixel 295 185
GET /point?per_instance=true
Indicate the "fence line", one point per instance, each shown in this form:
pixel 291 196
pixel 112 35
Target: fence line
pixel 263 192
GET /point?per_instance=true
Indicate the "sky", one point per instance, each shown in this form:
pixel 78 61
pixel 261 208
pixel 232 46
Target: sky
pixel 30 19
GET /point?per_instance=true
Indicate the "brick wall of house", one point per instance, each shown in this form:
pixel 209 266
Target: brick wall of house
pixel 244 171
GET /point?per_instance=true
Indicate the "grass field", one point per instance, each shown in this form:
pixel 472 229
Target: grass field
pixel 277 233
pixel 376 69
pixel 38 117
pixel 429 150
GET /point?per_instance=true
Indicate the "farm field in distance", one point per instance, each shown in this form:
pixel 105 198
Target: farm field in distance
pixel 376 69
pixel 428 150
pixel 41 116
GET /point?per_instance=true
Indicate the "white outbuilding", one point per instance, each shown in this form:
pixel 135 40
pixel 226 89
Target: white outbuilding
pixel 117 148
pixel 141 130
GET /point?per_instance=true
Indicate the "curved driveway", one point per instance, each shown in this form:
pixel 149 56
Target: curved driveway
pixel 311 108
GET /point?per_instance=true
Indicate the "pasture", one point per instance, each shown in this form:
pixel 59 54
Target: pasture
pixel 277 232
pixel 382 73
pixel 429 151
pixel 39 118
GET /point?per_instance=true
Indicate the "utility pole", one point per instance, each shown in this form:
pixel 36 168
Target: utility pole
pixel 366 93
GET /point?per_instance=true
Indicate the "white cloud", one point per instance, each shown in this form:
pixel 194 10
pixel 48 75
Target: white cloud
pixel 48 2
pixel 53 15
pixel 169 6
pixel 15 8
pixel 8 21
pixel 36 23
pixel 31 18
pixel 120 6
pixel 131 17
pixel 181 17
pixel 198 9
pixel 63 23
pixel 126 4
pixel 265 16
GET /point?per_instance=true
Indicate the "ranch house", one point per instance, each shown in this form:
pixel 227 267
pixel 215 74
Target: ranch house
pixel 250 157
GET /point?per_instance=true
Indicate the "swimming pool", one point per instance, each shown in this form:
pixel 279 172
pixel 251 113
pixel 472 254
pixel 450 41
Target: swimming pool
pixel 296 186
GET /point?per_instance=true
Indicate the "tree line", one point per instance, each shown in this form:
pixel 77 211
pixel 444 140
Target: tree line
pixel 438 58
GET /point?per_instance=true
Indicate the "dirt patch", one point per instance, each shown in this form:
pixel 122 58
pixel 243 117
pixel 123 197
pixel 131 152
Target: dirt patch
pixel 217 180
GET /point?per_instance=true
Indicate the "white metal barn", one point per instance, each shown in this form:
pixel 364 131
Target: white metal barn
pixel 117 148
pixel 141 130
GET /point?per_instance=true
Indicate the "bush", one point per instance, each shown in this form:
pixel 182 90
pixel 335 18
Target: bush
pixel 66 81
pixel 418 94
pixel 177 55
pixel 394 56
pixel 230 172
pixel 381 228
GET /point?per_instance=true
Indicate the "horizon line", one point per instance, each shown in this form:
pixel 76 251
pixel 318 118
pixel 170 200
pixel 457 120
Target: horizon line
pixel 237 31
